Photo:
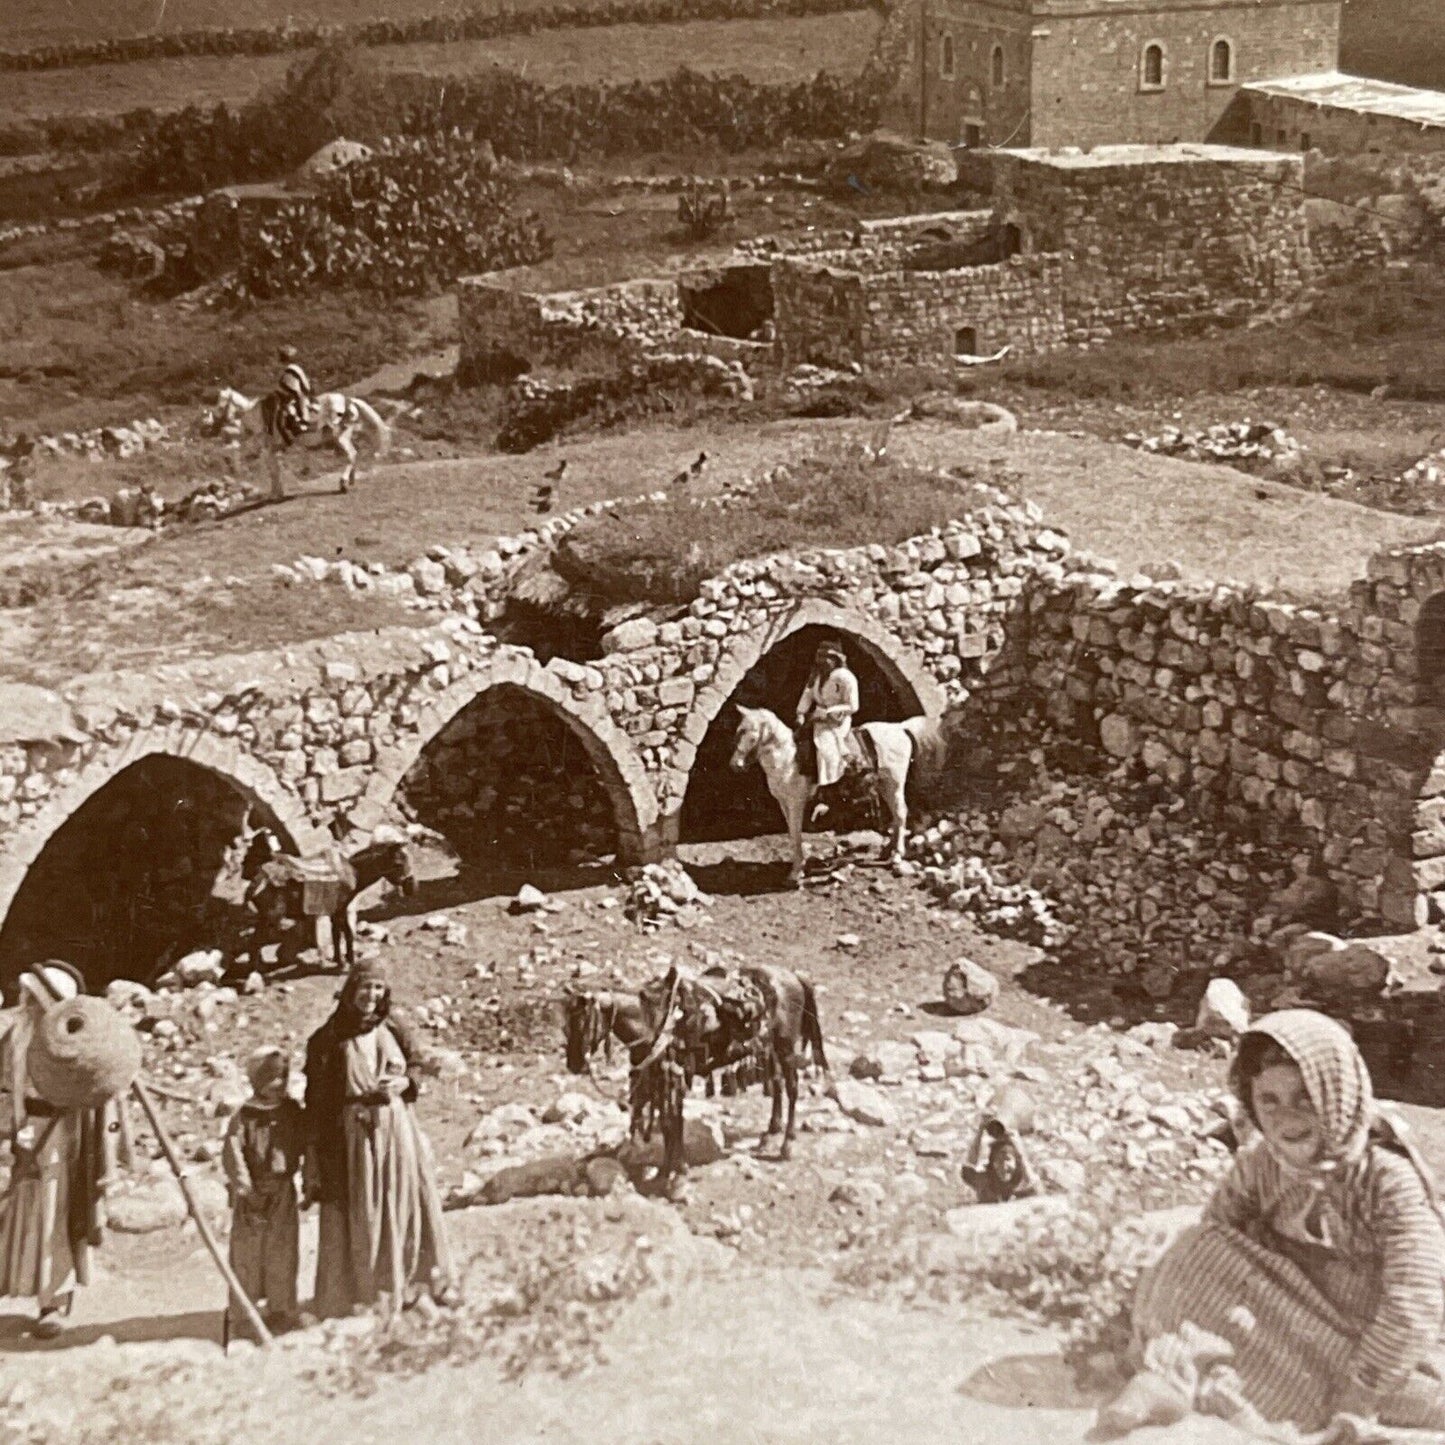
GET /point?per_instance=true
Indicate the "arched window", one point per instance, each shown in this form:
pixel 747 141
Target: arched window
pixel 945 58
pixel 1151 67
pixel 1221 62
pixel 996 70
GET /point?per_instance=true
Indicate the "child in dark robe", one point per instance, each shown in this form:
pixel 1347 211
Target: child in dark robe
pixel 262 1154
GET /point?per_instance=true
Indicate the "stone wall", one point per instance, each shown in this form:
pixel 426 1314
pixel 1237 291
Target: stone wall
pixel 1159 236
pixel 888 317
pixel 1302 730
pixel 1299 123
pixel 1087 68
pixel 1070 72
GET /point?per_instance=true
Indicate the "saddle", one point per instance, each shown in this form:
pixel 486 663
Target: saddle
pixel 860 755
pixel 323 890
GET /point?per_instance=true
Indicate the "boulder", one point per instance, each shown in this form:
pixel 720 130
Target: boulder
pixel 985 1225
pixel 158 1204
pixel 528 900
pixel 1223 1011
pixel 204 966
pixel 863 1104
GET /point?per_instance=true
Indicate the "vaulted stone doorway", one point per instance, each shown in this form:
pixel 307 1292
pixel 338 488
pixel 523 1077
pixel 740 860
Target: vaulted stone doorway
pixel 512 785
pixel 145 870
pixel 721 804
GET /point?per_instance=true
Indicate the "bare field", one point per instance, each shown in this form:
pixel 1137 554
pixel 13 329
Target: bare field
pixel 766 50
pixel 209 589
pixel 45 22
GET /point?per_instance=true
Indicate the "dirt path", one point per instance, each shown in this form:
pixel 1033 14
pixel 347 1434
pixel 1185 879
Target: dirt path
pixel 747 1355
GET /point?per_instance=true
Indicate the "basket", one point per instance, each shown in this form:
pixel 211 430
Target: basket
pixel 83 1053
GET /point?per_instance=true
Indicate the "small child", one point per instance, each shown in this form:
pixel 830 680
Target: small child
pixel 1320 1257
pixel 263 1151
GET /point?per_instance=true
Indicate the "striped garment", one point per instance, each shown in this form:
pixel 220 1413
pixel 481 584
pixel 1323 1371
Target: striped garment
pixel 1327 1281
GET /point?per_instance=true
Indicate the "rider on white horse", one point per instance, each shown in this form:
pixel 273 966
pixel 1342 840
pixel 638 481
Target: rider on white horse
pixel 825 715
pixel 294 388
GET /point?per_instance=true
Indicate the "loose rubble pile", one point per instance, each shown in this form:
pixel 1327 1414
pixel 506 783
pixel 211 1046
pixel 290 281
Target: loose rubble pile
pixel 662 891
pixel 1107 874
pixel 1252 445
pixel 96 445
pixel 143 506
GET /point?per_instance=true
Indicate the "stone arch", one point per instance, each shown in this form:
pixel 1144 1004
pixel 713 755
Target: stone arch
pixel 634 803
pixel 223 759
pixel 225 756
pixel 903 670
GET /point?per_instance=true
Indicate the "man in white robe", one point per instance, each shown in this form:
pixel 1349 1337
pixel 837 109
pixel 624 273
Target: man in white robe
pixel 826 711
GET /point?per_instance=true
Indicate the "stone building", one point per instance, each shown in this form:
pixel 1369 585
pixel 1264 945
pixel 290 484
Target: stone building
pixel 1342 115
pixel 1047 73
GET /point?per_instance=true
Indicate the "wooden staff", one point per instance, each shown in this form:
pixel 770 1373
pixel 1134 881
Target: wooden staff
pixel 208 1239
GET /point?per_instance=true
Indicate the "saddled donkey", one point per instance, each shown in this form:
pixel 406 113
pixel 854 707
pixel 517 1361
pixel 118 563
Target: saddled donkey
pixel 887 750
pixel 282 886
pixel 755 1022
pixel 335 421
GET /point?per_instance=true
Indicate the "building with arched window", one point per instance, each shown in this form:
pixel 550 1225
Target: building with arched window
pixel 1099 72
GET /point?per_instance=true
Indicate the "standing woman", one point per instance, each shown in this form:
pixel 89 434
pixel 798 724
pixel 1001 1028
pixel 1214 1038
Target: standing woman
pixel 52 1213
pixel 368 1164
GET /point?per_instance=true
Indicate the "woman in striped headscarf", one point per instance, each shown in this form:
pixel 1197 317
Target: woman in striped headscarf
pixel 1320 1257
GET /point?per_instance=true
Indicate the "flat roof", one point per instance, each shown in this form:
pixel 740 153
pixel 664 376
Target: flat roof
pixel 1074 158
pixel 1359 94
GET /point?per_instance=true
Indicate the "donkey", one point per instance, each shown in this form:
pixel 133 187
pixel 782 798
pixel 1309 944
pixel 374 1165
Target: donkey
pixel 888 750
pixel 789 1026
pixel 283 886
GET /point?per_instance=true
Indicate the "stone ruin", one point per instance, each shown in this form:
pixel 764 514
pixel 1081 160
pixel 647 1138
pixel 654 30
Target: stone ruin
pixel 1074 248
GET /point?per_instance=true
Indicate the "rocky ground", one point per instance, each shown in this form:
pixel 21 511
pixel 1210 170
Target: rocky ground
pixel 788 1299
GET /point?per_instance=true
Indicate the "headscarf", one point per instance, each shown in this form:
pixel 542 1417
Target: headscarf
pixel 267 1066
pixel 42 986
pixel 1335 1078
pixel 349 1018
pixel 1337 1081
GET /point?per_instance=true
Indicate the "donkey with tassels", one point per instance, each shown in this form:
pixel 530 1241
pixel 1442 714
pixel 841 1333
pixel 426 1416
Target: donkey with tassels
pixel 733 1027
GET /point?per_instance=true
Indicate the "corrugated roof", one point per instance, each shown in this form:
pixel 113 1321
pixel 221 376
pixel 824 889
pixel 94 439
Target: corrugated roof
pixel 1359 94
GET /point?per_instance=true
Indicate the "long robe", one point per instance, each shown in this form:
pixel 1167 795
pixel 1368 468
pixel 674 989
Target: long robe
pixel 371 1169
pixel 1314 1287
pixel 262 1153
pixel 828 705
pixel 52 1213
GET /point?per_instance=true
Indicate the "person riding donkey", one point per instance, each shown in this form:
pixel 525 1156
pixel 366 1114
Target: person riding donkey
pixel 825 716
pixel 294 390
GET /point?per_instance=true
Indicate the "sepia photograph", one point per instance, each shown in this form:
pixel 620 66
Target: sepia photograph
pixel 722 722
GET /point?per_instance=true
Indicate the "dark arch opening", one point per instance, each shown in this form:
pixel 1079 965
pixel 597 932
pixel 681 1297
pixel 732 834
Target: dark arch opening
pixel 720 803
pixel 510 785
pixel 144 871
pixel 1430 650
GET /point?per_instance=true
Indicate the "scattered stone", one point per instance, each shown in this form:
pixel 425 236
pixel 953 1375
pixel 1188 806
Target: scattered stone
pixel 528 900
pixel 862 1104
pixel 204 966
pixel 1223 1011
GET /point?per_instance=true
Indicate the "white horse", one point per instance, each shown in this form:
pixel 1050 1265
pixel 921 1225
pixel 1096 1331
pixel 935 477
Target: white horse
pixel 764 736
pixel 334 421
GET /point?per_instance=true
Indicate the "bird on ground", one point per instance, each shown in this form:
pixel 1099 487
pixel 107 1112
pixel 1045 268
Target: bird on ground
pixel 691 472
pixel 544 494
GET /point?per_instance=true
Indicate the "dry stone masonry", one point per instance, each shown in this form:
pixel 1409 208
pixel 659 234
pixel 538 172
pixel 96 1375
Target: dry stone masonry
pixel 1308 735
pixel 1075 248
